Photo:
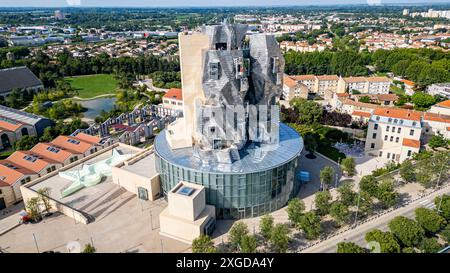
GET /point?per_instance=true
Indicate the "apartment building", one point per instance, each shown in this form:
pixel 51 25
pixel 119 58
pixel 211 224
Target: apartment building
pixel 378 85
pixel 365 85
pixel 436 124
pixel 442 89
pixel 12 176
pixel 37 163
pixel 76 145
pixel 173 99
pixel 394 133
pixel 441 108
pixel 61 155
pixel 326 84
pixel 293 89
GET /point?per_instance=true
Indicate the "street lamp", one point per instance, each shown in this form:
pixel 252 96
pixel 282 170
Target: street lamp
pixel 357 207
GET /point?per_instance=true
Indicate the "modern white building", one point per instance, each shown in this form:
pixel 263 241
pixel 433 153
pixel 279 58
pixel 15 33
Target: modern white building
pixel 442 89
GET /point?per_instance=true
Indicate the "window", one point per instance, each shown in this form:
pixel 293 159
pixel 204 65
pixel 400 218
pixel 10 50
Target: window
pixel 411 133
pixel 73 141
pixel 390 119
pixel 375 126
pixel 414 123
pixel 372 145
pixel 381 153
pixel 142 193
pixel 409 152
pixel 374 135
pixel 397 139
pixel 214 70
pixel 395 120
pixel 393 156
pixel 387 128
pixel 28 179
pixel 30 158
pixel 391 139
pixel 49 170
pixel 399 130
pixel 388 155
pixel 53 168
pixel 1 192
pixel 393 129
pixel 23 181
pixel 377 118
pixel 385 137
pixel 53 150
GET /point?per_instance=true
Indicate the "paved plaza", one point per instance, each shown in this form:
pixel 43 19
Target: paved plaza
pixel 132 227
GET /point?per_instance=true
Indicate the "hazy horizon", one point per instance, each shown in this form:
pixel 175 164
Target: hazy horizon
pixel 203 3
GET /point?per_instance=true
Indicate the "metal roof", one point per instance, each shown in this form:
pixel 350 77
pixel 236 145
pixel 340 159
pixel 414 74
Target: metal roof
pixel 17 77
pixel 21 116
pixel 253 159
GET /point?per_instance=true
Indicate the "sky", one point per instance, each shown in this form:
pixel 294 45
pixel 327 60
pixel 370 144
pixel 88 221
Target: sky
pixel 166 3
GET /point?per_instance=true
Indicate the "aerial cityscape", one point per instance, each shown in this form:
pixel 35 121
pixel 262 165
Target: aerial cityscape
pixel 252 127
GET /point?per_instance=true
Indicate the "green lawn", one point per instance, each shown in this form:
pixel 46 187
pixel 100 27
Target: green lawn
pixel 90 86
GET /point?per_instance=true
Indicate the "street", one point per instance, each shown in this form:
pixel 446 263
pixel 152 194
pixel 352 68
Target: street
pixel 357 235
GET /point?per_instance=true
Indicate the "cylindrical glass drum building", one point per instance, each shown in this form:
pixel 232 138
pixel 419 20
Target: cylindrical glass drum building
pixel 260 182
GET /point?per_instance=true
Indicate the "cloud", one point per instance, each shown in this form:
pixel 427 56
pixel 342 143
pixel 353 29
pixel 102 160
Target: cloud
pixel 374 2
pixel 73 2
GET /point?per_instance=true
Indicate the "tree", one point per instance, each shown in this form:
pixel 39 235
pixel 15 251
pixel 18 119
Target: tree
pixel 386 193
pixel 369 184
pixel 266 225
pixel 443 204
pixel 89 249
pixel 26 143
pixel 32 207
pixel 445 233
pixel 248 244
pixel 326 176
pixel 340 213
pixel 280 237
pixel 349 247
pixel 44 194
pixel 322 201
pixel 424 174
pixel 437 141
pixel 407 171
pixel 429 220
pixel 295 210
pixel 47 136
pixel 406 230
pixel 310 112
pixel 422 100
pixel 408 250
pixel 430 245
pixel 348 165
pixel 346 194
pixel 388 242
pixel 237 232
pixel 310 225
pixel 365 99
pixel 203 244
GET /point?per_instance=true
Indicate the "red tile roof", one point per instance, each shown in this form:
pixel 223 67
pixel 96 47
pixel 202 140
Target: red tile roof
pixel 445 103
pixel 378 79
pixel 408 82
pixel 361 114
pixel 304 77
pixel 174 93
pixel 288 81
pixel 88 138
pixel 38 165
pixel 7 124
pixel 398 113
pixel 328 78
pixel 411 143
pixel 11 172
pixel 436 117
pixel 45 149
pixel 78 146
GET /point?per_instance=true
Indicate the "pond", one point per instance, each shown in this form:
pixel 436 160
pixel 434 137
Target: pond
pixel 95 106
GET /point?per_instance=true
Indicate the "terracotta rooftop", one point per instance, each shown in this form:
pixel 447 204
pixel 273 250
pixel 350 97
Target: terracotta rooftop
pixel 436 117
pixel 11 172
pixel 361 114
pixel 288 81
pixel 7 124
pixel 174 93
pixel 445 103
pixel 360 104
pixel 88 138
pixel 31 161
pixel 411 143
pixel 355 79
pixel 304 77
pixel 72 144
pixel 328 78
pixel 398 113
pixel 52 151
pixel 378 79
pixel 408 82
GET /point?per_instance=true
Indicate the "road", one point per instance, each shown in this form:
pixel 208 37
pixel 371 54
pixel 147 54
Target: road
pixel 357 235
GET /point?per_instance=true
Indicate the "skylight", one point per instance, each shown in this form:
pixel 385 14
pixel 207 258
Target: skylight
pixel 73 141
pixel 53 150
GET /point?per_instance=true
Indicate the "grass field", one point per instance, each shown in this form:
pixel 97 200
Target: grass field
pixel 90 86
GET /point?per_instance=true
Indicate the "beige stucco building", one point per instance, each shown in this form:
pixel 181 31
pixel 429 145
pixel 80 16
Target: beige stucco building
pixel 187 216
pixel 393 134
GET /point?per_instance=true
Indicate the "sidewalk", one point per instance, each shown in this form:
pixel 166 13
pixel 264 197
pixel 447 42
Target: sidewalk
pixel 9 217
